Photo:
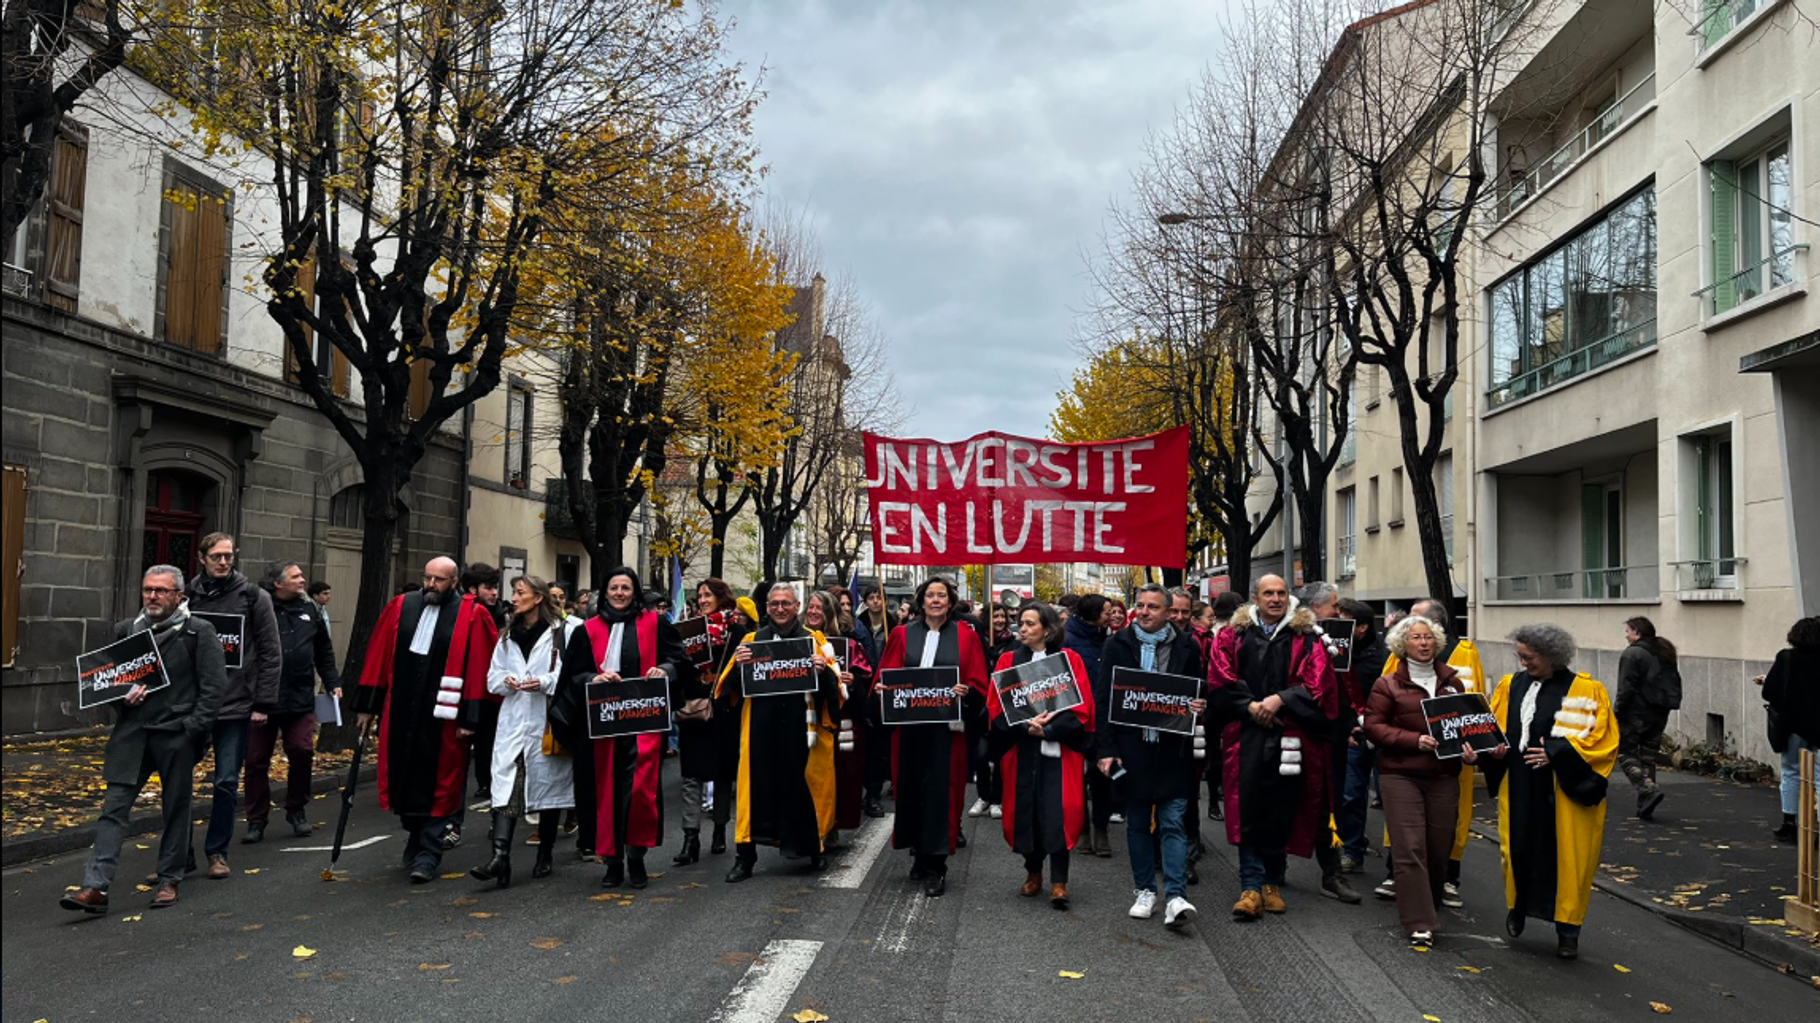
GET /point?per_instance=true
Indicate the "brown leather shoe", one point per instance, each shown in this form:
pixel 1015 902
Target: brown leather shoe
pixel 88 900
pixel 218 868
pixel 1249 907
pixel 165 896
pixel 1033 883
pixel 1058 895
pixel 1273 900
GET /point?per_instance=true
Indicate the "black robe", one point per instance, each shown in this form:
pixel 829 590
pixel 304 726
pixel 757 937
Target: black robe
pixel 929 762
pixel 778 806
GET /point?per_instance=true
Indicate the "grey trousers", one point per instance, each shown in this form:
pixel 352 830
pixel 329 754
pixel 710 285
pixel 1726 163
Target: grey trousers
pixel 174 758
pixel 694 793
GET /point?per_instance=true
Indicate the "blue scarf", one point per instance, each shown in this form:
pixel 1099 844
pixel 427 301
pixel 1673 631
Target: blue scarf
pixel 1147 644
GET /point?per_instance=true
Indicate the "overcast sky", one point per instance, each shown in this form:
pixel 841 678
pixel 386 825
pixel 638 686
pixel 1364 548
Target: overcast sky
pixel 957 158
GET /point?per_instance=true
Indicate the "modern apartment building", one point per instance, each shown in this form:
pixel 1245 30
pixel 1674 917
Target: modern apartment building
pixel 1649 391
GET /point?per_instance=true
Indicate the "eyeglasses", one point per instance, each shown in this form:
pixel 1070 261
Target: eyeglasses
pixel 780 603
pixel 156 591
pixel 220 557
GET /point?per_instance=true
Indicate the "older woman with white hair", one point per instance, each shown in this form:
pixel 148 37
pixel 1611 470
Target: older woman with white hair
pixel 1551 796
pixel 1421 791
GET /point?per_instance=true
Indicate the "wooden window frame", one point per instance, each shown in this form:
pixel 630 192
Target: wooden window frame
pixel 179 175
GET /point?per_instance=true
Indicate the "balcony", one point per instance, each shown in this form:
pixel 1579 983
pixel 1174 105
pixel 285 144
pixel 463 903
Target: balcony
pixel 1711 579
pixel 15 280
pixel 557 518
pixel 1579 362
pixel 1610 123
pixel 1764 279
pixel 1624 583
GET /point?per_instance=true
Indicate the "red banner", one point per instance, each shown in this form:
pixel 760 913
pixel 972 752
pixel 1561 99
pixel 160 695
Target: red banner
pixel 995 499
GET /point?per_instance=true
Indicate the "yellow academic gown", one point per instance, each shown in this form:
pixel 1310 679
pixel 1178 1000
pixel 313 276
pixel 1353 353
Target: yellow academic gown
pixel 1465 662
pixel 1586 722
pixel 820 729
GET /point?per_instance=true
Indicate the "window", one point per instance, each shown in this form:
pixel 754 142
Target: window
pixel 1396 497
pixel 1444 499
pixel 331 362
pixel 1719 17
pixel 1371 505
pixel 1346 553
pixel 12 557
pixel 63 218
pixel 1349 445
pixel 1707 489
pixel 518 436
pixel 1753 240
pixel 1602 539
pixel 194 239
pixel 1585 303
pixel 347 508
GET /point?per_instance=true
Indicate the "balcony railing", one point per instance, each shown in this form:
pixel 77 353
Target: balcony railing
pixel 1620 582
pixel 1608 123
pixel 1709 574
pixel 1720 19
pixel 558 520
pixel 1576 363
pixel 15 280
pixel 1773 270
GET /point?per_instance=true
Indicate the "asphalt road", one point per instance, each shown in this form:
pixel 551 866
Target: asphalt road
pixel 856 943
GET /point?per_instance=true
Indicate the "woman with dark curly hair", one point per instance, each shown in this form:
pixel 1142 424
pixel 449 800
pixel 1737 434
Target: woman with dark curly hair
pixel 1792 690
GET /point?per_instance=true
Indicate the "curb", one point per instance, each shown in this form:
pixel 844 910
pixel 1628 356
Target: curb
pixel 1777 951
pixel 26 849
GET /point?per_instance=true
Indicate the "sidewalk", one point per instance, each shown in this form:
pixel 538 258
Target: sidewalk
pixel 1707 862
pixel 51 789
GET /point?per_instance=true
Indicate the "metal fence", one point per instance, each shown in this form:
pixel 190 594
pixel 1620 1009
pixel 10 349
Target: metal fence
pixel 1803 910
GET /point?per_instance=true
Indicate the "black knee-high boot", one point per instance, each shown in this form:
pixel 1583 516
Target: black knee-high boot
pixel 499 868
pixel 549 823
pixel 691 847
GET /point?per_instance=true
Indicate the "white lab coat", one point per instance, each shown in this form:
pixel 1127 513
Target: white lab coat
pixel 549 781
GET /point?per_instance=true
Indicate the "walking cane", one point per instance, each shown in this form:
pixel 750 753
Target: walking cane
pixel 347 803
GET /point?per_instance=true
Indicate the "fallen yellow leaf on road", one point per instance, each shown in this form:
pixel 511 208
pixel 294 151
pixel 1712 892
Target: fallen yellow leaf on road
pixel 454 876
pixel 1661 1008
pixel 604 897
pixel 303 952
pixel 72 887
pixel 1469 969
pixel 250 870
pixel 483 916
pixel 1431 1019
pixel 1070 974
pixel 1620 968
pixel 567 979
pixel 142 887
pixel 809 1016
pixel 546 943
pixel 433 966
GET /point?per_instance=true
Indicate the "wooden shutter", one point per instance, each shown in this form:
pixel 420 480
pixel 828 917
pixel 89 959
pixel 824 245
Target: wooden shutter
pixel 196 269
pixel 63 225
pixel 12 554
pixel 306 283
pixel 419 400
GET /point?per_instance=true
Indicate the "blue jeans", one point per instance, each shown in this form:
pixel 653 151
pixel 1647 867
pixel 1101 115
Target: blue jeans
pixel 1791 775
pixel 1355 801
pixel 1175 846
pixel 230 754
pixel 1259 866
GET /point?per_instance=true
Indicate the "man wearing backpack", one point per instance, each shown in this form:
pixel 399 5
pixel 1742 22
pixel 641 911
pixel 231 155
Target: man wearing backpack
pixel 1649 686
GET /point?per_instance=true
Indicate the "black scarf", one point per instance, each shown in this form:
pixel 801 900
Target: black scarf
pixel 526 635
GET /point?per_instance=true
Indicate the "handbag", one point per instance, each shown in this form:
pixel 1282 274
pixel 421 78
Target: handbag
pixel 696 710
pixel 556 715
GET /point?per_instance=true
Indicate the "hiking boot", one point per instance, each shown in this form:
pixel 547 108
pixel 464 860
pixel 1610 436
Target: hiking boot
pixel 1273 900
pixel 1249 907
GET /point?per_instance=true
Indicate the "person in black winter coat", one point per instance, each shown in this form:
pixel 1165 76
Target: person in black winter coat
pixel 1649 686
pixel 309 654
pixel 252 687
pixel 1083 634
pixel 1792 690
pixel 1154 767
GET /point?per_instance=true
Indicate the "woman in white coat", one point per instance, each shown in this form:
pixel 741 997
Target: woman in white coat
pixel 526 665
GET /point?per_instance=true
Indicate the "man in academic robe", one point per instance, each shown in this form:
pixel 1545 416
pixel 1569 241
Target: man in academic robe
pixel 1270 683
pixel 426 678
pixel 929 762
pixel 786 785
pixel 1551 787
pixel 618 780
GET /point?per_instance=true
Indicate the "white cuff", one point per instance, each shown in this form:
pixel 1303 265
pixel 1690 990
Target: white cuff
pixel 444 711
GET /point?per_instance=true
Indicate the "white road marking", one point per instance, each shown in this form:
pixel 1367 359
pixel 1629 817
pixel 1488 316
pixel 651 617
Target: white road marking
pixel 899 940
pixel 764 992
pixel 858 861
pixel 362 844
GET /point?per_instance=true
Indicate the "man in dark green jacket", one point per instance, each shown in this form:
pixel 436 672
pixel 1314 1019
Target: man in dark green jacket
pixel 308 654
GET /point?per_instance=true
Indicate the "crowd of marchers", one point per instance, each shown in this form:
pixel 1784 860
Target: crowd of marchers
pixel 1293 744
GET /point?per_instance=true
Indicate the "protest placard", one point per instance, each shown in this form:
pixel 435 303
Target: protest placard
pixel 1459 720
pixel 231 630
pixel 1339 644
pixel 843 652
pixel 632 706
pixel 1153 699
pixel 1037 687
pixel 919 696
pixel 779 667
pixel 697 643
pixel 111 672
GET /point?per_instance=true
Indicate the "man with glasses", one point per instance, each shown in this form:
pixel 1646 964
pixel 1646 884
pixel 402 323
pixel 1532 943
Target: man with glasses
pixel 252 685
pixel 426 677
pixel 163 730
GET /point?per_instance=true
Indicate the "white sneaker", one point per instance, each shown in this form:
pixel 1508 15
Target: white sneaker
pixel 1450 896
pixel 1386 890
pixel 1145 906
pixel 1179 913
pixel 977 809
pixel 997 812
pixel 1117 818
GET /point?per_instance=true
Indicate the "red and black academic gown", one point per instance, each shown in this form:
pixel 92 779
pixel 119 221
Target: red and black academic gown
pixel 424 699
pixel 850 754
pixel 785 790
pixel 618 781
pixel 1045 807
pixel 1266 806
pixel 929 762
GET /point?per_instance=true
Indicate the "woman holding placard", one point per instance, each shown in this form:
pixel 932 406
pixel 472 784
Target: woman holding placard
pixel 824 613
pixel 929 761
pixel 1421 791
pixel 1043 771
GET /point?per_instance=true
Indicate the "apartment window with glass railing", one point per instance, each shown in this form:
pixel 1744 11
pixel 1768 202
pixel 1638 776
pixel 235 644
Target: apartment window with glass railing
pixel 1752 234
pixel 1585 303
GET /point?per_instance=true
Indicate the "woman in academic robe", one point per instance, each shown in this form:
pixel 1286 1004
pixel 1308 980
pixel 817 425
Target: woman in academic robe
pixel 824 614
pixel 929 762
pixel 1551 786
pixel 618 785
pixel 1042 775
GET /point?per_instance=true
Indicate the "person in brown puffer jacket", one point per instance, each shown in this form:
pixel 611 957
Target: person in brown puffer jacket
pixel 1421 791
